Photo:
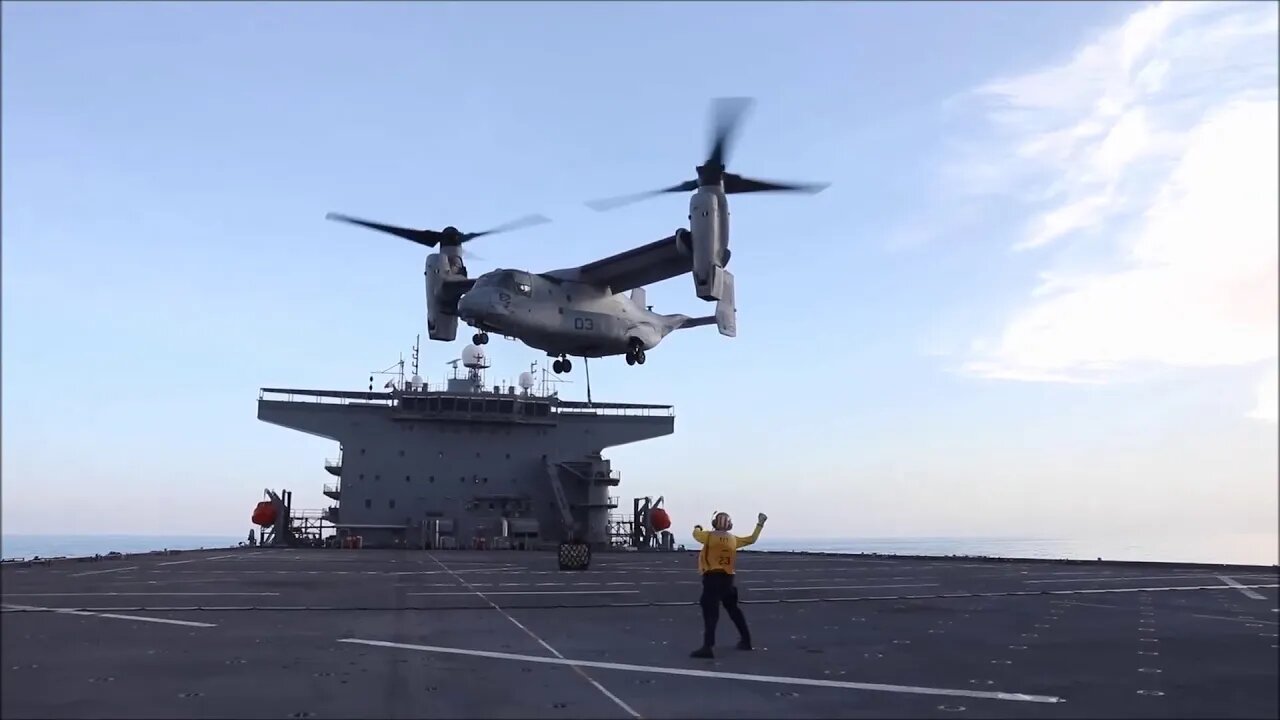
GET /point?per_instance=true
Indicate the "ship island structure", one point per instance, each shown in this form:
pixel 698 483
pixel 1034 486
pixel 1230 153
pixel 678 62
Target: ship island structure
pixel 465 465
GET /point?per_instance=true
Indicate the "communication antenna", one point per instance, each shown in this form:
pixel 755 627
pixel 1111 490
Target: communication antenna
pixel 415 382
pixel 396 369
pixel 547 378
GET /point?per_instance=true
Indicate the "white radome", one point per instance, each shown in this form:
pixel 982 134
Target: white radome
pixel 472 357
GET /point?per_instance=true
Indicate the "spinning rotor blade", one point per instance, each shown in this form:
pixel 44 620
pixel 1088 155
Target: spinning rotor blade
pixel 738 184
pixel 431 238
pixel 726 114
pixel 619 201
pixel 526 221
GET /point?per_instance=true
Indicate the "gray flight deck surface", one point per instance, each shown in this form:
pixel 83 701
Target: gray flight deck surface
pixel 252 632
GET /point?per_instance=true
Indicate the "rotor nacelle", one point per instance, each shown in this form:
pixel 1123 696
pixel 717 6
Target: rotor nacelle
pixel 442 308
pixel 708 240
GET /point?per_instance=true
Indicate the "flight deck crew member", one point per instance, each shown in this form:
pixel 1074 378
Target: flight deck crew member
pixel 716 563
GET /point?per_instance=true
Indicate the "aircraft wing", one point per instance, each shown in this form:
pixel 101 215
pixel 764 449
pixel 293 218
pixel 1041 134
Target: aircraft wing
pixel 633 268
pixel 456 288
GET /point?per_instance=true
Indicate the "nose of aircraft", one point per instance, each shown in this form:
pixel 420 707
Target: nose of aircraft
pixel 477 305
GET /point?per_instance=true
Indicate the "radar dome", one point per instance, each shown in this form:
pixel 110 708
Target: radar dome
pixel 415 382
pixel 526 380
pixel 473 357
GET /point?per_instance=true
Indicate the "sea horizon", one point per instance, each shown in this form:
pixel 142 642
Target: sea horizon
pixel 1225 548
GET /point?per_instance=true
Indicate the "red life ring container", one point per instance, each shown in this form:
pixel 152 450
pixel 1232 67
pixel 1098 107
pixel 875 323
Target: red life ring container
pixel 659 519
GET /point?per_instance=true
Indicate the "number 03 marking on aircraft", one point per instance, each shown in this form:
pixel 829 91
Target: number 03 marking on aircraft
pixel 581 323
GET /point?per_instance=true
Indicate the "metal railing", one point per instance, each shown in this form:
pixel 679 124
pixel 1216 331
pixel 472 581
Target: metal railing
pixel 332 488
pixel 333 462
pixel 614 411
pixel 327 398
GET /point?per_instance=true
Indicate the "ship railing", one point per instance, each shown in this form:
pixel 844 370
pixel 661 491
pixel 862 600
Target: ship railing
pixel 322 398
pixel 331 487
pixel 615 411
pixel 333 462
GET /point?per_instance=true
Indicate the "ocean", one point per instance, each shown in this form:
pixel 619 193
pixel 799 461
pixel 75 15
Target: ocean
pixel 1235 548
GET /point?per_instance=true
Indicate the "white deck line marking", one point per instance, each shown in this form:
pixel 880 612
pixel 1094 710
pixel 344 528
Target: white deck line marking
pixel 99 572
pixel 1243 620
pixel 135 594
pixel 837 587
pixel 531 592
pixel 113 616
pixel 1093 591
pixel 1171 576
pixel 183 562
pixel 1247 592
pixel 690 672
pixel 616 700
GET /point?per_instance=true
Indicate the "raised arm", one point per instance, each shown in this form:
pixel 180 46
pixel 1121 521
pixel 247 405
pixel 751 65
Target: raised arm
pixel 699 534
pixel 744 541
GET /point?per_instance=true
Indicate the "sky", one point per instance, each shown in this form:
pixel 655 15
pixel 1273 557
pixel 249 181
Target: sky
pixel 1039 296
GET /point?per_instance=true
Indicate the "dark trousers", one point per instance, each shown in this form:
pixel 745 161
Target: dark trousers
pixel 717 590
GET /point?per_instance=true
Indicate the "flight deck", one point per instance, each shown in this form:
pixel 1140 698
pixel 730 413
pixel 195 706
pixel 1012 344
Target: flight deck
pixel 289 633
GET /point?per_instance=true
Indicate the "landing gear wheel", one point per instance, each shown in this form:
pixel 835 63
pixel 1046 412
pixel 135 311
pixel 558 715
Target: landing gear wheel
pixel 557 367
pixel 635 352
pixel 480 338
pixel 566 364
pixel 561 366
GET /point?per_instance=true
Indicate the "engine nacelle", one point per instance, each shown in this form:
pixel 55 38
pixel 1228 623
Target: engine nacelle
pixel 442 310
pixel 708 241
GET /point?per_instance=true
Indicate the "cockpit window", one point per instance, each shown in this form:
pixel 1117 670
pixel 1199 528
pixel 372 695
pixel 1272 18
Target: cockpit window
pixel 511 280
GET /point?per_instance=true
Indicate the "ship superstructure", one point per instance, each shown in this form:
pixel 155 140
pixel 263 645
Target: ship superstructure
pixel 464 464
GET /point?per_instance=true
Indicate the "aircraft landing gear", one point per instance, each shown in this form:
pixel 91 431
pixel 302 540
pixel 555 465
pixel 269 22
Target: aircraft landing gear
pixel 635 353
pixel 561 366
pixel 480 338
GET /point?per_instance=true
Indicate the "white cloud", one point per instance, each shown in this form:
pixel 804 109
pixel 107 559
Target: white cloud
pixel 1268 407
pixel 1158 142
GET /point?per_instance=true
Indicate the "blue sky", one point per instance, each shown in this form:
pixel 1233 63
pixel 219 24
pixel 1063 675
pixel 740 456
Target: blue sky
pixel 974 330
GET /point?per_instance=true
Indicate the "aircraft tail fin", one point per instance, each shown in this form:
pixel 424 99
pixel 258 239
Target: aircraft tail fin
pixel 726 317
pixel 727 309
pixel 639 297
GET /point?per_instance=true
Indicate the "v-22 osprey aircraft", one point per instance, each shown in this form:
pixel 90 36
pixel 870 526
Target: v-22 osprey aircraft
pixel 584 311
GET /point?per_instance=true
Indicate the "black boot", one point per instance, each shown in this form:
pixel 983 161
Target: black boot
pixel 745 644
pixel 703 652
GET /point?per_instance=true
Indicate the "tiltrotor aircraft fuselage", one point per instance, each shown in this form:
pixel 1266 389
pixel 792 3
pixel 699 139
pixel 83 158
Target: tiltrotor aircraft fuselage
pixel 586 311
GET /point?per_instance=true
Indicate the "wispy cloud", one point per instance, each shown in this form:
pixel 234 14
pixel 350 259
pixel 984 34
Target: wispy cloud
pixel 1154 147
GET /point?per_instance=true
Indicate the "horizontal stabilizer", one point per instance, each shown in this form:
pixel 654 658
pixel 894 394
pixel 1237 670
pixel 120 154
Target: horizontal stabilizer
pixel 698 321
